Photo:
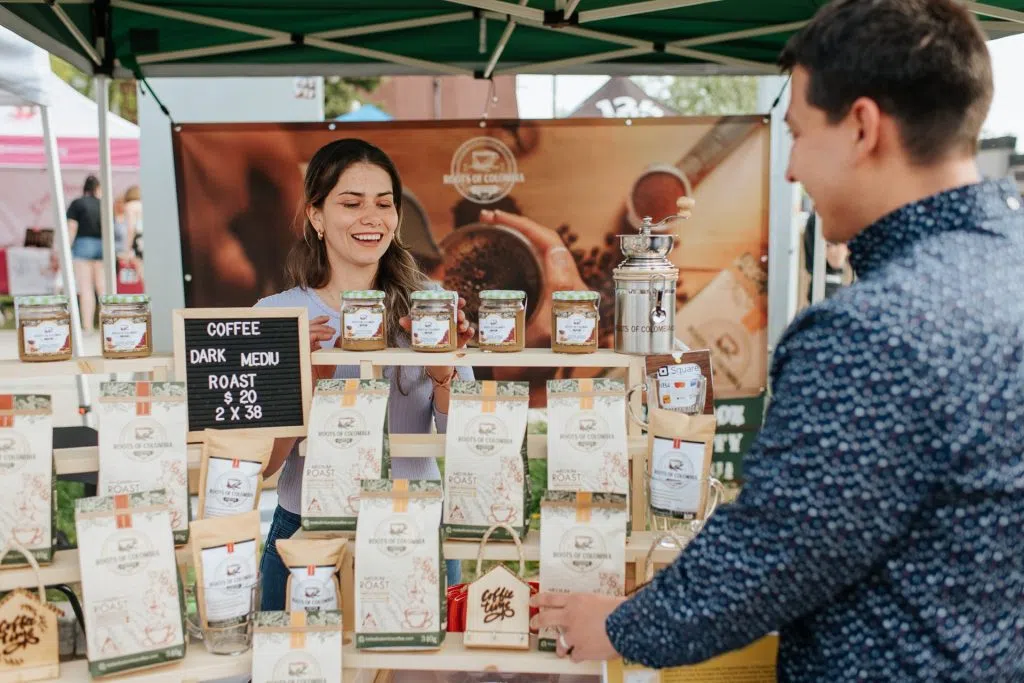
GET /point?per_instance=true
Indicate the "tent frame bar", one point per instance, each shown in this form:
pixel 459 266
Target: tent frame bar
pixel 505 8
pixel 756 67
pixel 393 26
pixel 506 35
pixel 231 48
pixel 736 35
pixel 76 34
pixel 630 8
pixel 996 12
pixel 575 61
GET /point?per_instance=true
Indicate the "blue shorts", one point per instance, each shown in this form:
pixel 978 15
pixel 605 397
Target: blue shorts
pixel 87 249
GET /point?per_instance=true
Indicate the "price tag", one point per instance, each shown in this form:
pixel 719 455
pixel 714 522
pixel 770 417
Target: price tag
pixel 244 368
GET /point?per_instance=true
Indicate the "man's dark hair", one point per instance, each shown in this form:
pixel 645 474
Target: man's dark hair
pixel 92 183
pixel 924 62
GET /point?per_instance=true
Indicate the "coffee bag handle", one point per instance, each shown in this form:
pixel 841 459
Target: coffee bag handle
pixel 649 560
pixel 515 537
pixel 17 547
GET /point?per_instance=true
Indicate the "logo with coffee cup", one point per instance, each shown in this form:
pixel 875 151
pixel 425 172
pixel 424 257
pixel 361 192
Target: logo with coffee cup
pixel 297 665
pixel 586 431
pixel 126 552
pixel 485 434
pixel 582 550
pixel 396 537
pixel 484 170
pixel 143 440
pixel 344 429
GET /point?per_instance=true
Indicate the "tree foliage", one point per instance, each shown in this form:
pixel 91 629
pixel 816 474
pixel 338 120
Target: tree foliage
pixel 340 94
pixel 704 95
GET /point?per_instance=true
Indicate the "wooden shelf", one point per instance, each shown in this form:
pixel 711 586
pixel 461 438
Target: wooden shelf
pixel 198 665
pixel 65 568
pixel 534 358
pixel 87 365
pixel 453 656
pixel 85 459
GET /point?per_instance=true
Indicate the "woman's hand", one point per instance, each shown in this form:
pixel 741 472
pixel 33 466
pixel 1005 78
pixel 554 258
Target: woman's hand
pixel 684 206
pixel 319 332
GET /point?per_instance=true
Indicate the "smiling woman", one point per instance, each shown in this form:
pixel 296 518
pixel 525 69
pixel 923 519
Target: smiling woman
pixel 350 243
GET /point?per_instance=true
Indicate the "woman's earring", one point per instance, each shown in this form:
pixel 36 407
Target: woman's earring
pixel 320 234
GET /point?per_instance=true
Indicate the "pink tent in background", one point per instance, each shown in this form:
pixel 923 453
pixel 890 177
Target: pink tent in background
pixel 24 179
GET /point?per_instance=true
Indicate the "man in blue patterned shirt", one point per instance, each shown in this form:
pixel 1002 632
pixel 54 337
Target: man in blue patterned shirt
pixel 881 527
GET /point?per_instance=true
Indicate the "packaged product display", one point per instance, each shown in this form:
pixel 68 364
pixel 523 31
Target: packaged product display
pixel 347 443
pixel 680 447
pixel 582 546
pixel 44 328
pixel 587 446
pixel 142 444
pixel 231 471
pixel 26 476
pixel 363 320
pixel 131 597
pixel 127 326
pixel 297 647
pixel 502 316
pixel 575 322
pixel 400 571
pixel 314 568
pixel 434 319
pixel 225 552
pixel 486 476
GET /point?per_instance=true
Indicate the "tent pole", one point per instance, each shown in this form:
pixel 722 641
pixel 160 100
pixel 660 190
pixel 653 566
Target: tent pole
pixel 63 247
pixel 106 179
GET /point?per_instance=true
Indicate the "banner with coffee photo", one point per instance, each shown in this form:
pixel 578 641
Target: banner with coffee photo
pixel 570 182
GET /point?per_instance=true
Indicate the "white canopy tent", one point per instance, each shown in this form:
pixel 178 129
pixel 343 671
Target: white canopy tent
pixel 24 74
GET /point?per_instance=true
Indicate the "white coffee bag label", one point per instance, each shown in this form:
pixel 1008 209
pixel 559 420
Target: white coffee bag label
pixel 229 576
pixel 231 487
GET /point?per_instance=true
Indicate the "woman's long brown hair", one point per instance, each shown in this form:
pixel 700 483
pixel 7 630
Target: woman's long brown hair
pixel 307 265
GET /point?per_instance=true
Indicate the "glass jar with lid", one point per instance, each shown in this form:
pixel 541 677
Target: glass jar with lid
pixel 575 321
pixel 44 328
pixel 434 318
pixel 126 322
pixel 363 320
pixel 502 320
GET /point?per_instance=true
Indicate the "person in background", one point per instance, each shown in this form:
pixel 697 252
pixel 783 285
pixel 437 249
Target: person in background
pixel 836 256
pixel 350 241
pixel 120 226
pixel 880 529
pixel 87 249
pixel 133 214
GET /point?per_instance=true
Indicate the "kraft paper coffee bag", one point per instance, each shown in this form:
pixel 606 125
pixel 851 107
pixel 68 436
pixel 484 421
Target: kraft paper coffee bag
pixel 26 476
pixel 231 471
pixel 486 474
pixel 680 448
pixel 347 443
pixel 314 571
pixel 143 444
pixel 226 559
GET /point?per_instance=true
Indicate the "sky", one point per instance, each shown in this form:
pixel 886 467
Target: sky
pixel 536 94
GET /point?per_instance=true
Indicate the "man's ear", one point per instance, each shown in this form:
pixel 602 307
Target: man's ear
pixel 866 122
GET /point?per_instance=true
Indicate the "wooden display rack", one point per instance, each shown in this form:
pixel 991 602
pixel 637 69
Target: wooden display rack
pixel 363 666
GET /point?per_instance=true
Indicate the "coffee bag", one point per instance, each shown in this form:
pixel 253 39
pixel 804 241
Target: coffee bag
pixel 143 444
pixel 486 476
pixel 680 448
pixel 587 446
pixel 26 476
pixel 400 574
pixel 582 546
pixel 231 471
pixel 131 597
pixel 298 647
pixel 347 443
pixel 314 568
pixel 225 554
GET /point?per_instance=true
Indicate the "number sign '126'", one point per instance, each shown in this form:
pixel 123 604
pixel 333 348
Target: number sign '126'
pixel 244 368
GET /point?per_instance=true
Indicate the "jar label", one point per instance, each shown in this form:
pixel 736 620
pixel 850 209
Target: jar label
pixel 575 328
pixel 46 338
pixel 496 330
pixel 124 334
pixel 364 325
pixel 676 475
pixel 431 330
